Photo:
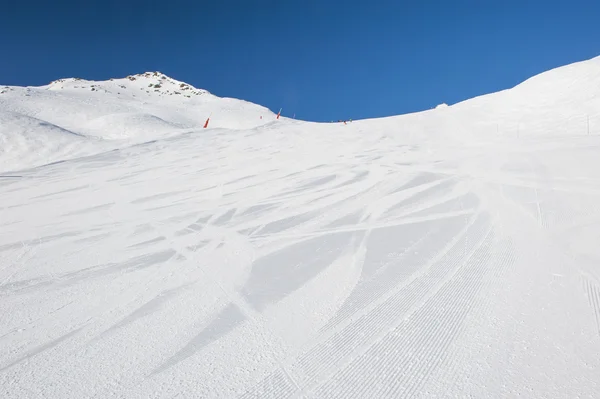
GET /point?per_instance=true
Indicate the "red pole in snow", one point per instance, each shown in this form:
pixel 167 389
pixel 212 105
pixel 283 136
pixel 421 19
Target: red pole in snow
pixel 206 123
pixel 279 113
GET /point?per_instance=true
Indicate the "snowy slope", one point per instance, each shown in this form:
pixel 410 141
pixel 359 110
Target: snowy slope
pixel 561 102
pixel 108 115
pixel 448 253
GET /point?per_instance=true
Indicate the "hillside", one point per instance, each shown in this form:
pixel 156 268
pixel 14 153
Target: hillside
pixel 447 253
pixel 73 117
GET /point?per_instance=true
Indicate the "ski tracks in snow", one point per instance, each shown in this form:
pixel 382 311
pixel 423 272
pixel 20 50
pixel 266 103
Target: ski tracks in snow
pixel 370 268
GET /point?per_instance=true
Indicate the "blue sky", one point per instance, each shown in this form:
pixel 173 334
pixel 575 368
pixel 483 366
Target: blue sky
pixel 321 60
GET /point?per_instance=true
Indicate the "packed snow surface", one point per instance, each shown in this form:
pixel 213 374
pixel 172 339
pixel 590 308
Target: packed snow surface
pixel 448 253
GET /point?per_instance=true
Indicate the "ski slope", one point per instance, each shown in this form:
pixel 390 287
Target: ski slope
pixel 447 253
pixel 71 118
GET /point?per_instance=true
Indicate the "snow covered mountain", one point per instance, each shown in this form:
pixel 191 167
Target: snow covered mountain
pixel 75 117
pixel 447 253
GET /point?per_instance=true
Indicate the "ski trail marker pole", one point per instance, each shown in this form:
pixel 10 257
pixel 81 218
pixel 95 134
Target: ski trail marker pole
pixel 207 119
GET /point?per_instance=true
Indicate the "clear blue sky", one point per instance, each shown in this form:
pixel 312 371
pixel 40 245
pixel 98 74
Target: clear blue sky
pixel 321 60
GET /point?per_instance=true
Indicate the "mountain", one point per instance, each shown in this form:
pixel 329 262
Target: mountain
pixel 447 253
pixel 75 117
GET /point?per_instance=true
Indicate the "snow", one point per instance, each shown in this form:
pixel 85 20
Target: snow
pixel 118 113
pixel 445 253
